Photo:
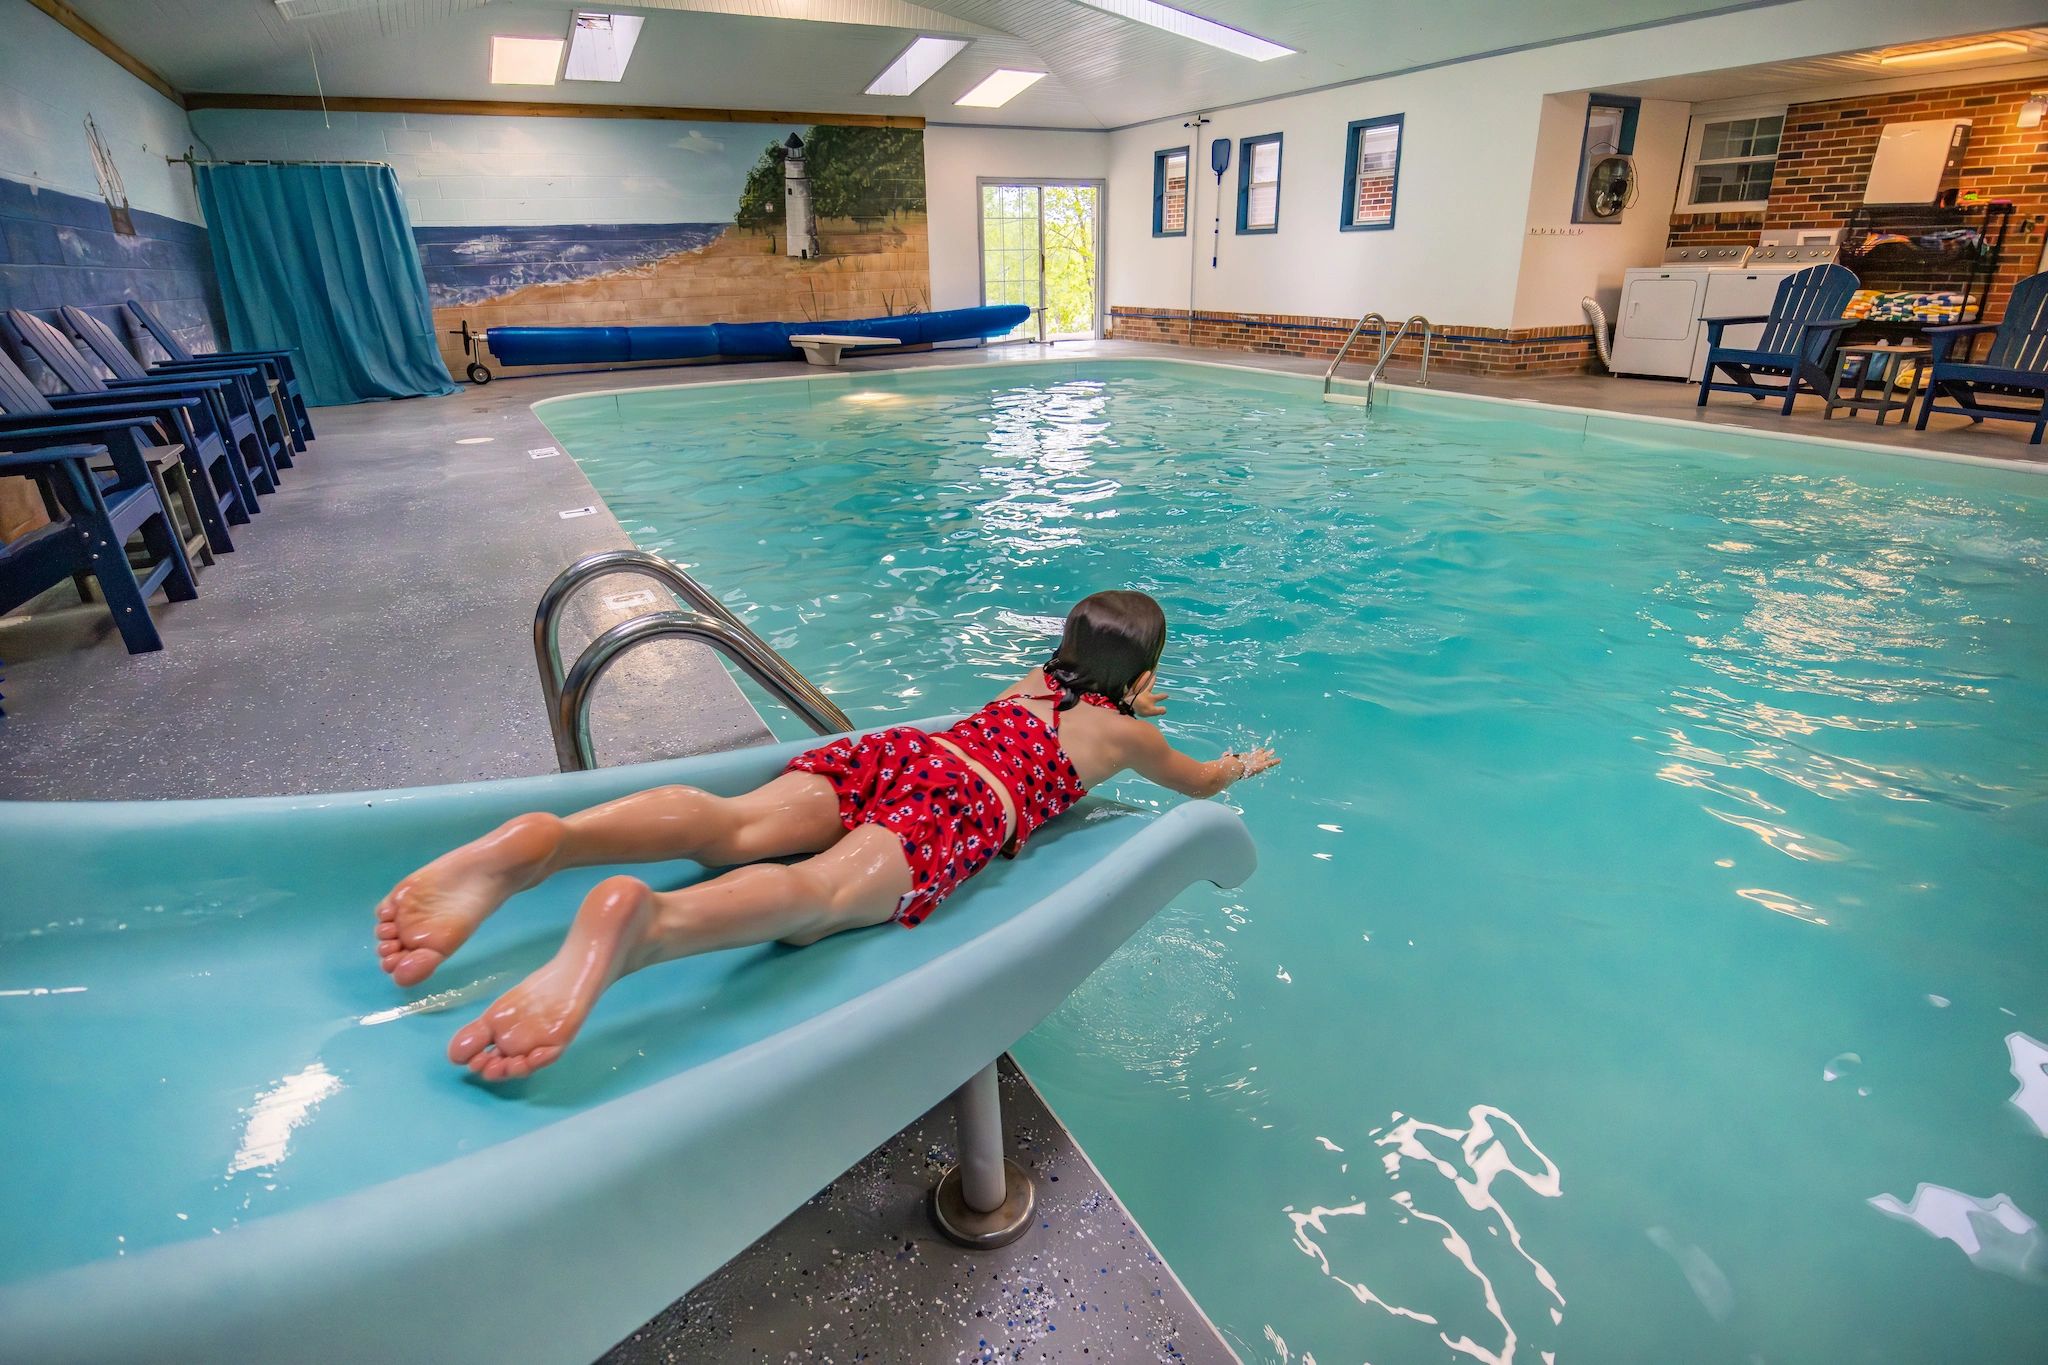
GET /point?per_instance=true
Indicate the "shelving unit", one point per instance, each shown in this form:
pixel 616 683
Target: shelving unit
pixel 1926 249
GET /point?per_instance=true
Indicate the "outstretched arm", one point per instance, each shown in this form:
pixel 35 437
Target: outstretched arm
pixel 1153 759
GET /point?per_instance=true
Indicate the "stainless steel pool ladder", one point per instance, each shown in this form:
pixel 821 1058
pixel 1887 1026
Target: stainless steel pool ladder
pixel 1386 354
pixel 568 693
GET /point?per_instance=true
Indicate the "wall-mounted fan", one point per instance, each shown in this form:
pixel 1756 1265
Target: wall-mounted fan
pixel 1611 186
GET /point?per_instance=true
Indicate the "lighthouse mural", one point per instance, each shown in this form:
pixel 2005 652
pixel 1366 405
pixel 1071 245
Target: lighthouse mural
pixel 800 224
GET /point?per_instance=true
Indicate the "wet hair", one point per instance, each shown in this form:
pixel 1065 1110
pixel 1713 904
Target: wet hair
pixel 1111 640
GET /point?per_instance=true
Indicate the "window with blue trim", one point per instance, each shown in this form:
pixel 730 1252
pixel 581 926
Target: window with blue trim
pixel 1170 192
pixel 1610 131
pixel 1372 173
pixel 1258 184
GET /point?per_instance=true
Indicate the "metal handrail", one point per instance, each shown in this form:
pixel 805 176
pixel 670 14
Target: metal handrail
pixel 571 719
pixel 1387 353
pixel 712 623
pixel 1330 375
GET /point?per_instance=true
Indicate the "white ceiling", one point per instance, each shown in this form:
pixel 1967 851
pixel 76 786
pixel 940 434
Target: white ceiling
pixel 750 54
pixel 1847 73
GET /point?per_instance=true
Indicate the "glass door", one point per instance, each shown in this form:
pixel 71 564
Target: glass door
pixel 1041 246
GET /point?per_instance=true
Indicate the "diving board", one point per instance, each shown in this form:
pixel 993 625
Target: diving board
pixel 231 1138
pixel 823 348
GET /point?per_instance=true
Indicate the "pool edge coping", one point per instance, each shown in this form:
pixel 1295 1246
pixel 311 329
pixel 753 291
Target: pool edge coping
pixel 1952 457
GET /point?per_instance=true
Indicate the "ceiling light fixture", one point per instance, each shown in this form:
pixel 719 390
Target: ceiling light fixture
pixel 1000 88
pixel 918 63
pixel 525 61
pixel 1989 47
pixel 1193 26
pixel 600 45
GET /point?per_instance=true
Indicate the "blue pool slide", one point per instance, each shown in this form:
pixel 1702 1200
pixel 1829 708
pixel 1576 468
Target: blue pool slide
pixel 737 340
pixel 228 1137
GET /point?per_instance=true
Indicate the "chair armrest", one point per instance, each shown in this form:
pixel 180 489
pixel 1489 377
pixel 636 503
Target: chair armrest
pixel 26 438
pixel 1940 339
pixel 111 403
pixel 49 455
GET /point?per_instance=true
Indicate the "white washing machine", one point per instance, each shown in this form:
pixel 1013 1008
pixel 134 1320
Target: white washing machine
pixel 1657 328
pixel 1750 291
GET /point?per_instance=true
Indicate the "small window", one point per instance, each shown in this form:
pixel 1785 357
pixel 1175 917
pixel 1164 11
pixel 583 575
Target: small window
pixel 1732 161
pixel 1258 184
pixel 1610 131
pixel 1170 193
pixel 1372 173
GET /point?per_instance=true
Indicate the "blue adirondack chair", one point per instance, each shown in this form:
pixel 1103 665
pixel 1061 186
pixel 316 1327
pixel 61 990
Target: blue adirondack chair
pixel 221 413
pixel 2016 366
pixel 278 363
pixel 98 496
pixel 250 380
pixel 31 419
pixel 1799 336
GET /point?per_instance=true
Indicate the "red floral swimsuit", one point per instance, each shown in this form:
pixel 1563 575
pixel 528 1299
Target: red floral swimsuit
pixel 949 819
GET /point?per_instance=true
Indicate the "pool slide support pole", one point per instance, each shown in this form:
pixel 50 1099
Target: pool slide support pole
pixel 985 1200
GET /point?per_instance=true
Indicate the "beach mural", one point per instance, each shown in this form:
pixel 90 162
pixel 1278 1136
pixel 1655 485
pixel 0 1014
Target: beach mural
pixel 808 224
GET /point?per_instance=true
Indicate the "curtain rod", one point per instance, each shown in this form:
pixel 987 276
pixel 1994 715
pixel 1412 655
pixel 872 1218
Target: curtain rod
pixel 190 160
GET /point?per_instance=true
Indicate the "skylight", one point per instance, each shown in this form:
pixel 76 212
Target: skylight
pixel 525 61
pixel 1193 26
pixel 600 45
pixel 1000 88
pixel 918 64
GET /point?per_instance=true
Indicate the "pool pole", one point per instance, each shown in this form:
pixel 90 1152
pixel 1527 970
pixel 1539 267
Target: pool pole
pixel 985 1200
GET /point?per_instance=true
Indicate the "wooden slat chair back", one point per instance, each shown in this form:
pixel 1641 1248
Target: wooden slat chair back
pixel 279 363
pixel 137 421
pixel 251 391
pixel 222 420
pixel 2014 367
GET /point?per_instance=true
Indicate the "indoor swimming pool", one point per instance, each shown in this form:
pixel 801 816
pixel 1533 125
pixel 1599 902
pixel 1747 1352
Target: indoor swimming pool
pixel 1646 946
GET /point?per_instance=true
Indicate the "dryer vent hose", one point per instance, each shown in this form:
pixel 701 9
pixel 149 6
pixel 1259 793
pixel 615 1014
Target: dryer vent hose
pixel 1597 315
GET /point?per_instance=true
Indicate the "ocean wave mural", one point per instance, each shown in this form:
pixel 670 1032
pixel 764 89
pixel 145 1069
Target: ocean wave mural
pixel 471 264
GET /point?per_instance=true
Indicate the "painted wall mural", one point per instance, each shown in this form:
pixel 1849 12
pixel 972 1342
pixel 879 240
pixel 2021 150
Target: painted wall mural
pixel 818 223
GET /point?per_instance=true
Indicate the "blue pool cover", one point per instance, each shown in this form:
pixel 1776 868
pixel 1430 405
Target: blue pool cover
pixel 738 340
pixel 229 1137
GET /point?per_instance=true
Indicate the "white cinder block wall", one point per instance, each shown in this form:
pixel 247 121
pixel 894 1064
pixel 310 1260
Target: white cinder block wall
pixel 49 81
pixel 957 158
pixel 487 171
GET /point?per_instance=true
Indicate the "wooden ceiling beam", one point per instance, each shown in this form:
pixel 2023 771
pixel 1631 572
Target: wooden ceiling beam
pixel 121 56
pixel 360 104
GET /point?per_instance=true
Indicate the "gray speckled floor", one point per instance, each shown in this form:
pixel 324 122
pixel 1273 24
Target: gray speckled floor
pixel 859 1274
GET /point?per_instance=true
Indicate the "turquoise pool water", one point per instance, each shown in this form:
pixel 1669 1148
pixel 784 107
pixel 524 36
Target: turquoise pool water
pixel 1648 957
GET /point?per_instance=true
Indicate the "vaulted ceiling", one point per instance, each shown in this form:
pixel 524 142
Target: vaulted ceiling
pixel 819 55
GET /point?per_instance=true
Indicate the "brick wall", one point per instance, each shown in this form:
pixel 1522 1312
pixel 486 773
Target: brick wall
pixel 1528 351
pixel 1824 160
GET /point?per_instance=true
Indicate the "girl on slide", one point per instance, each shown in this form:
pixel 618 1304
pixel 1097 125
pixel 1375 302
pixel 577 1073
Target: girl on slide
pixel 892 822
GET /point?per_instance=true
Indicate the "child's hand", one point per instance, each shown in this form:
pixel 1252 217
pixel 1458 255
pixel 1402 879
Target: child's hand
pixel 1254 763
pixel 1152 703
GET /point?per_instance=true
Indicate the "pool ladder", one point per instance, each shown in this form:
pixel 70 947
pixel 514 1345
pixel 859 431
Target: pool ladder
pixel 1386 353
pixel 568 693
pixel 985 1200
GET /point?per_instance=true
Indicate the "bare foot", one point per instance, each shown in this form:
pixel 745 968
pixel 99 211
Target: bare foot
pixel 529 1025
pixel 434 911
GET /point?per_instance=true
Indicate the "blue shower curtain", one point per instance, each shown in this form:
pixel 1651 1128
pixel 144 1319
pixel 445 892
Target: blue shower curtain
pixel 320 259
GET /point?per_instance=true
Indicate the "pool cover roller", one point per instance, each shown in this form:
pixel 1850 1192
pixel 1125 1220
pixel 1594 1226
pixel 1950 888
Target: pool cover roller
pixel 230 1137
pixel 737 340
